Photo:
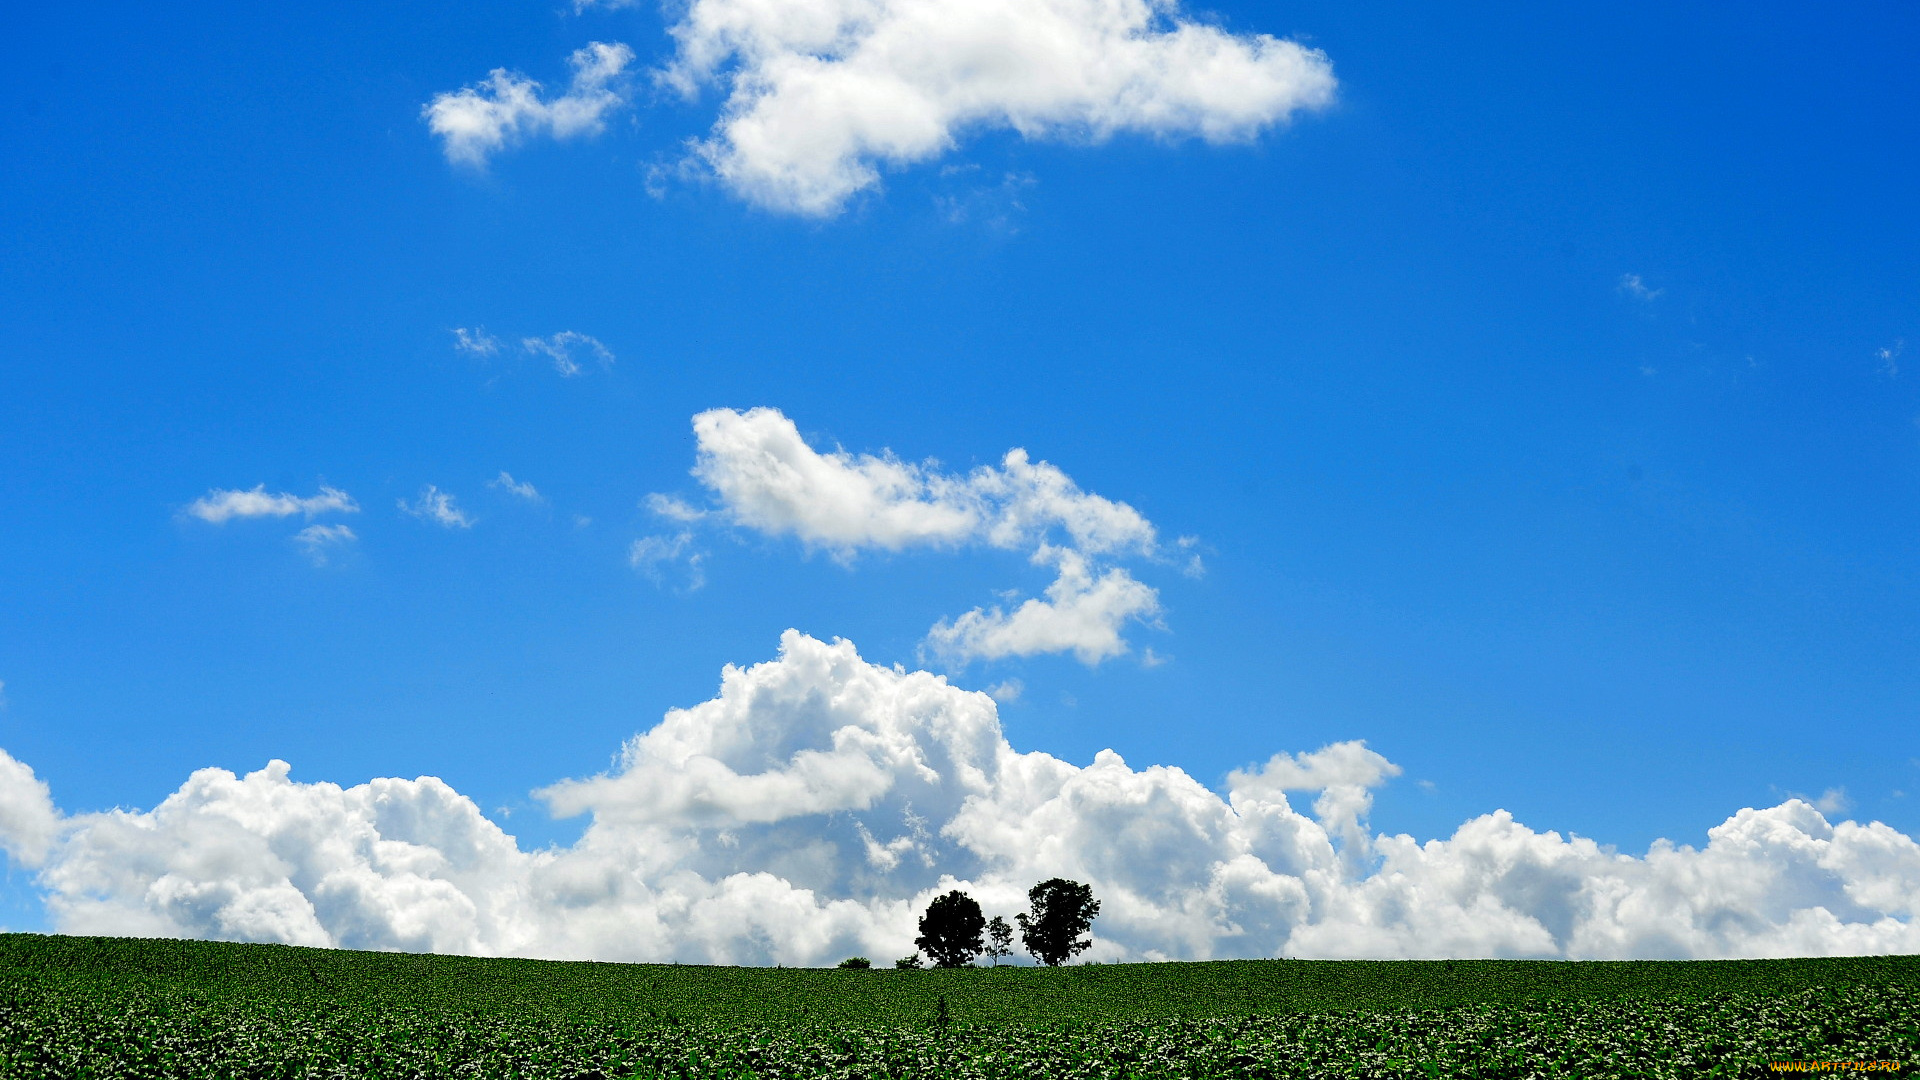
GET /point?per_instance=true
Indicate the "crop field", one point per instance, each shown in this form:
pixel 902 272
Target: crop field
pixel 99 1007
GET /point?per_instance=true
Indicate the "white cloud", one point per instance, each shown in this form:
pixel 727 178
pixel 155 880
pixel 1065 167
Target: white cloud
pixel 766 478
pixel 438 507
pixel 674 509
pixel 821 95
pixel 1007 691
pixel 477 121
pixel 476 341
pixel 1889 356
pixel 1081 614
pixel 315 540
pixel 505 482
pixel 1833 801
pixel 565 349
pixel 652 554
pixel 29 823
pixel 811 809
pixel 220 505
pixel 769 479
pixel 1344 774
pixel 1636 288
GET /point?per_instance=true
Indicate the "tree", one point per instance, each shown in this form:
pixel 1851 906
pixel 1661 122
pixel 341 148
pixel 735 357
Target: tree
pixel 856 962
pixel 999 939
pixel 908 962
pixel 950 930
pixel 1062 911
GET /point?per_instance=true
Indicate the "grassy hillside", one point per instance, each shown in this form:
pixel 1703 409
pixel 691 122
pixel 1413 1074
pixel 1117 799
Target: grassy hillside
pixel 1224 988
pixel 119 1007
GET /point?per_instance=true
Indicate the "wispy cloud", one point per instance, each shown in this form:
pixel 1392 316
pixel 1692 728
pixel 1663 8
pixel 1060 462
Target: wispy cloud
pixel 505 482
pixel 223 504
pixel 1636 288
pixel 651 555
pixel 565 348
pixel 507 107
pixel 674 509
pixel 1889 357
pixel 317 540
pixel 476 341
pixel 438 507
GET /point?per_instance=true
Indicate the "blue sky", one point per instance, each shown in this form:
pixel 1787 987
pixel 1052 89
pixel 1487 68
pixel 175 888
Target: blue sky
pixel 1540 400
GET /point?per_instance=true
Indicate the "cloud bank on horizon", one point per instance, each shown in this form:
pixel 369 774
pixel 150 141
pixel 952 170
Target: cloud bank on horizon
pixel 824 94
pixel 767 479
pixel 812 808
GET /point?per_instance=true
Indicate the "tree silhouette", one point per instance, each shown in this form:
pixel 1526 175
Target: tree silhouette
pixel 950 930
pixel 999 939
pixel 1062 911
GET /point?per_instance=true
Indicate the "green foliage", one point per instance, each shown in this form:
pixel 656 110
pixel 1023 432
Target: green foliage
pixel 111 1008
pixel 856 962
pixel 999 939
pixel 909 962
pixel 1062 911
pixel 950 931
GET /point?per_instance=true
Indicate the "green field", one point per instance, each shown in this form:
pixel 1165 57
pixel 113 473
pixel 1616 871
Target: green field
pixel 104 1007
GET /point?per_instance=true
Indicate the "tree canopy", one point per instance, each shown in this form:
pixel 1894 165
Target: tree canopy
pixel 1062 911
pixel 950 931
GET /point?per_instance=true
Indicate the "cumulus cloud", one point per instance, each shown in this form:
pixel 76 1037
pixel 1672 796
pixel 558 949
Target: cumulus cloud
pixel 767 478
pixel 822 95
pixel 1344 774
pixel 518 488
pixel 811 809
pixel 438 507
pixel 222 505
pixel 476 121
pixel 28 821
pixel 317 540
pixel 566 348
pixel 1082 614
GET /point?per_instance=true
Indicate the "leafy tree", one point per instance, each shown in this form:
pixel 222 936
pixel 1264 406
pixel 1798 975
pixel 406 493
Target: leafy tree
pixel 856 962
pixel 908 962
pixel 999 939
pixel 950 930
pixel 1062 911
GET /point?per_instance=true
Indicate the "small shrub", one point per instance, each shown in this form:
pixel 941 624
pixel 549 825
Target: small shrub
pixel 856 962
pixel 908 962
